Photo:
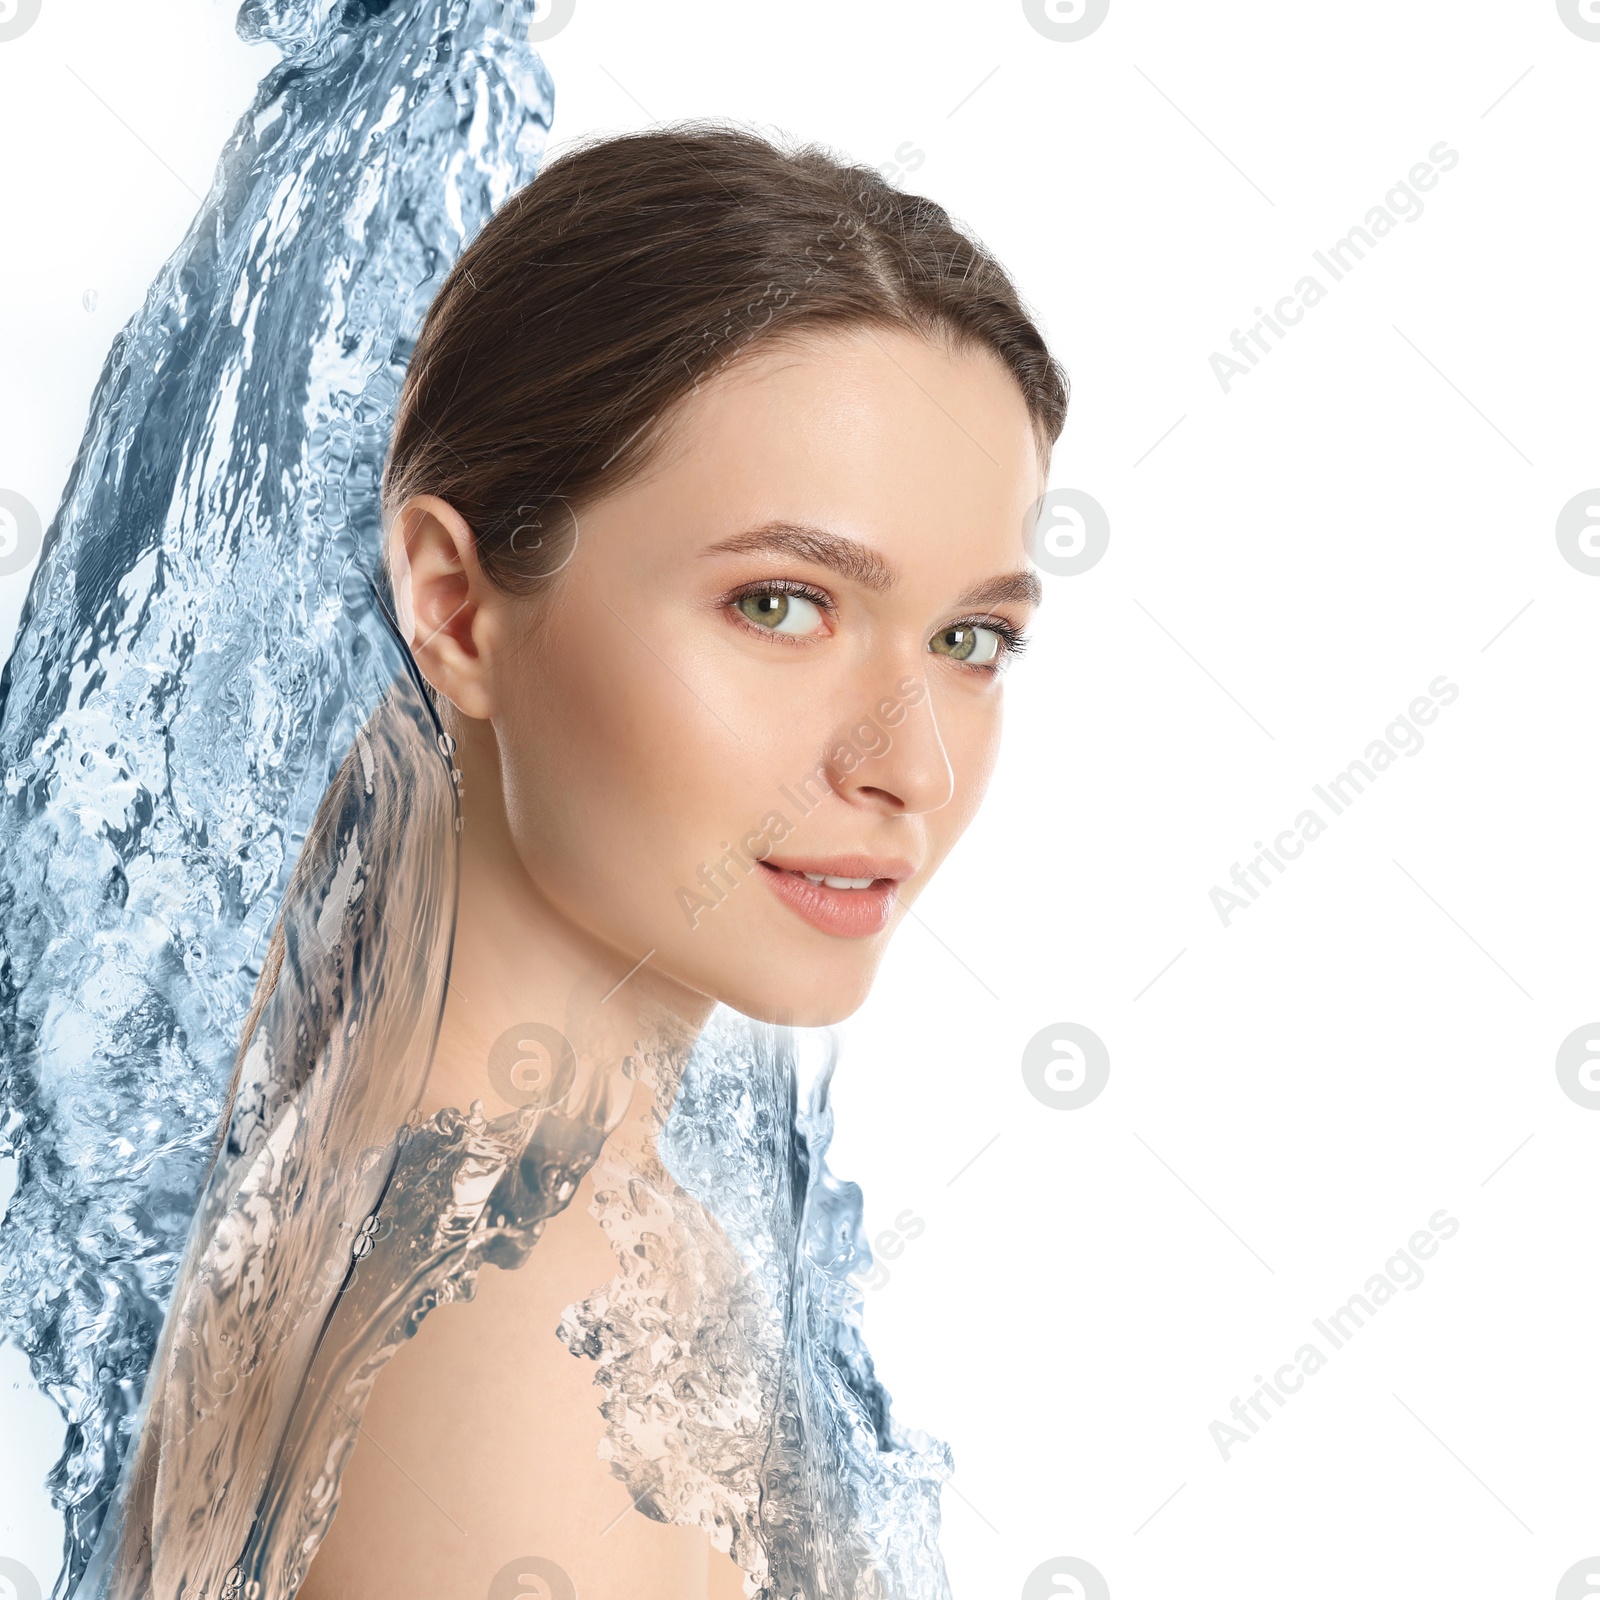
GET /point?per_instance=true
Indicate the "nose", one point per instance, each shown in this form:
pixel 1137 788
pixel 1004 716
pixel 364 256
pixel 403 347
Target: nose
pixel 893 760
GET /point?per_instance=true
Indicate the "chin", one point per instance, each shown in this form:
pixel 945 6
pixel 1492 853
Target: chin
pixel 807 1014
pixel 797 994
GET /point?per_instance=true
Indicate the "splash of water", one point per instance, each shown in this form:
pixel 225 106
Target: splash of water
pixel 201 659
pixel 184 679
pixel 739 1394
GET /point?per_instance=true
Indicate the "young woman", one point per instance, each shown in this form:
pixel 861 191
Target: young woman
pixel 706 528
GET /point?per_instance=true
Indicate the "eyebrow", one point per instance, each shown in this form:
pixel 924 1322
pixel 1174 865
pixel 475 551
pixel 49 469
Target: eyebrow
pixel 863 565
pixel 1022 587
pixel 831 550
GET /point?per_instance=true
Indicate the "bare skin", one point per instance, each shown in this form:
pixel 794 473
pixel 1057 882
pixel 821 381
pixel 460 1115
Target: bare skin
pixel 616 732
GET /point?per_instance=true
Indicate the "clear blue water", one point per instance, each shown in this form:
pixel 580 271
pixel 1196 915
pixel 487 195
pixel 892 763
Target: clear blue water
pixel 205 639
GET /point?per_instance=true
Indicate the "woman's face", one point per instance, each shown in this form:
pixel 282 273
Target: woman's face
pixel 776 657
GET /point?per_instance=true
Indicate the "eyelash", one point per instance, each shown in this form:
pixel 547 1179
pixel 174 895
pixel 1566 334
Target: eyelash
pixel 818 597
pixel 1013 641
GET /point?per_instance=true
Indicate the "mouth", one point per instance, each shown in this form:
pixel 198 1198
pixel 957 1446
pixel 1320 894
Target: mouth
pixel 850 897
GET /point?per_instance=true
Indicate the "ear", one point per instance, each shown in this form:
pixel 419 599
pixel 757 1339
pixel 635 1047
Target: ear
pixel 446 606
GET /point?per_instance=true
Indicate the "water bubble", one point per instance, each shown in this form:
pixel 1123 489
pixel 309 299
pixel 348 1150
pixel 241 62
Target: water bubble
pixel 370 1233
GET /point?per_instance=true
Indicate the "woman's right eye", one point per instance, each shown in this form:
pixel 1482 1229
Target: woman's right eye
pixel 780 612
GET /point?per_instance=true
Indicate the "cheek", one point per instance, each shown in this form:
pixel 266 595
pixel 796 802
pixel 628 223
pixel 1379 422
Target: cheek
pixel 589 757
pixel 620 778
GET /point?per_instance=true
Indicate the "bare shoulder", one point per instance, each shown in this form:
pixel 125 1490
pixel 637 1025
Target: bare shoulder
pixel 478 1454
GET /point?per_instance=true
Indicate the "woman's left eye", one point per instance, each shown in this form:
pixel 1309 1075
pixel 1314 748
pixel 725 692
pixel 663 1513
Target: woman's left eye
pixel 968 642
pixel 780 612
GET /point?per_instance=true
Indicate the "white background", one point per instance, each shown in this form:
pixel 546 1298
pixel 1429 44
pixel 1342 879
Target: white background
pixel 1291 564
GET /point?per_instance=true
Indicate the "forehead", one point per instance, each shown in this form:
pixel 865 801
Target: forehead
pixel 904 443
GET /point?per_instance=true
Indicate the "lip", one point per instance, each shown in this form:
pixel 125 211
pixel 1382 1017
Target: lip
pixel 895 868
pixel 844 913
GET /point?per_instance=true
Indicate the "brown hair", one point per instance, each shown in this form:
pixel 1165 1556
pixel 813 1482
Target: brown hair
pixel 634 268
pixel 629 272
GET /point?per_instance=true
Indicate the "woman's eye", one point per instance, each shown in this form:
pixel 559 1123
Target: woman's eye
pixel 977 647
pixel 781 613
